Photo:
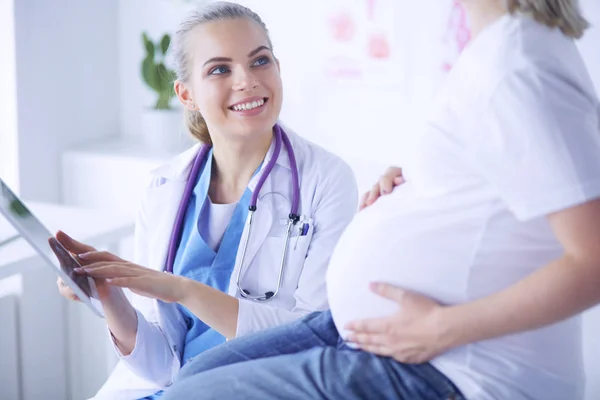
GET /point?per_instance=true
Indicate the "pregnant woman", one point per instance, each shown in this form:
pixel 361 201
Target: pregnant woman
pixel 488 252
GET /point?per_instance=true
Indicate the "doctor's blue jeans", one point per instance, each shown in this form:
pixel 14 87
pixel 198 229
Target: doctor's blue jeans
pixel 304 360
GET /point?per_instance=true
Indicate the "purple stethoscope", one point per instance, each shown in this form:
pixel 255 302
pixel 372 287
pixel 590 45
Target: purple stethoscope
pixel 293 217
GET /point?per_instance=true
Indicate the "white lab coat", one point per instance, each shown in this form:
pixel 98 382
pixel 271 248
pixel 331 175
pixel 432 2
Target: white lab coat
pixel 328 201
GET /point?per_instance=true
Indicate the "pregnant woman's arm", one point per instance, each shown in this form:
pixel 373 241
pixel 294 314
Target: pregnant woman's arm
pixel 563 288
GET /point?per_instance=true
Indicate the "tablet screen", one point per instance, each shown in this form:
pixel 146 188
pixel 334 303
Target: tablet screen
pixel 68 263
pixel 42 240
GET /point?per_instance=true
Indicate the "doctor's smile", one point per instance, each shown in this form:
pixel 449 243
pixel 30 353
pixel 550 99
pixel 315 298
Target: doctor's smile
pixel 250 106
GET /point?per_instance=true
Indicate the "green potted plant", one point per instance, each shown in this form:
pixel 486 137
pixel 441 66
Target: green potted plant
pixel 156 75
pixel 162 124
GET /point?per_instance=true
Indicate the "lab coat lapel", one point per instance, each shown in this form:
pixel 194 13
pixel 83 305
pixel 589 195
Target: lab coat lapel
pixel 163 201
pixel 162 211
pixel 263 219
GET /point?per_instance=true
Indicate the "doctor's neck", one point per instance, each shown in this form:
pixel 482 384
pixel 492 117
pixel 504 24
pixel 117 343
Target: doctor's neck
pixel 234 163
pixel 483 13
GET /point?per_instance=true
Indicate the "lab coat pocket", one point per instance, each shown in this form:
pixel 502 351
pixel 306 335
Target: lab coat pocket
pixel 272 256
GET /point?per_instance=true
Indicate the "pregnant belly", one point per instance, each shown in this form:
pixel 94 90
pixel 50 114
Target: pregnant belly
pixel 357 261
pixel 396 242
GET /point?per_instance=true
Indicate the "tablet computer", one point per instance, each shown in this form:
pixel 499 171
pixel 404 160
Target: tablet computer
pixel 52 252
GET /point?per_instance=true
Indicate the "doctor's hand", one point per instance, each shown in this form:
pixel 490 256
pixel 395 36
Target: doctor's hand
pixel 413 335
pixel 388 181
pixel 76 248
pixel 140 280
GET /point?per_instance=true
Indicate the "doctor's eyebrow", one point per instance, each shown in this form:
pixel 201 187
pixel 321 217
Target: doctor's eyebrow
pixel 227 59
pixel 258 49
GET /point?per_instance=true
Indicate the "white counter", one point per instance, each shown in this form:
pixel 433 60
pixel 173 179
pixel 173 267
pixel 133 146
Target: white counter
pixel 49 347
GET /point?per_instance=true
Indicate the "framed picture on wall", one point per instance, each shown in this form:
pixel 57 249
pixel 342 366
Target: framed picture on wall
pixel 363 42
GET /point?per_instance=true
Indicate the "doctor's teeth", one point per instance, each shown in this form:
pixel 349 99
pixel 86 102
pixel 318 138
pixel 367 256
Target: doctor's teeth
pixel 248 106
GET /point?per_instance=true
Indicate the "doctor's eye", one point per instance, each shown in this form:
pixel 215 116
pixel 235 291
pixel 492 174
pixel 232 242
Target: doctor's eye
pixel 219 70
pixel 260 61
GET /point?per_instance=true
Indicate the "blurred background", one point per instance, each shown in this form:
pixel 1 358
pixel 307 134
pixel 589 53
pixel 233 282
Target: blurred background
pixel 80 131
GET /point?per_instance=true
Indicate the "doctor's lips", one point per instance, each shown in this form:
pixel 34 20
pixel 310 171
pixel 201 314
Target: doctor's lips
pixel 249 104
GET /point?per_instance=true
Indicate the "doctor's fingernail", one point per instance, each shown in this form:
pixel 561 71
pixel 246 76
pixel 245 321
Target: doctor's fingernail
pixel 83 255
pixel 78 269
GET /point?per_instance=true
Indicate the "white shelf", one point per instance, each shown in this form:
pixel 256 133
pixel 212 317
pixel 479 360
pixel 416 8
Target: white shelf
pixel 131 147
pixel 110 173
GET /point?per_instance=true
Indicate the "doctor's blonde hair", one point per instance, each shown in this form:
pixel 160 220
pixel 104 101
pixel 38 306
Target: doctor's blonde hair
pixel 213 11
pixel 563 14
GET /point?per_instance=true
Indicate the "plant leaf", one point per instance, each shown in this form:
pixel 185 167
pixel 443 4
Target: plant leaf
pixel 163 102
pixel 165 42
pixel 150 74
pixel 150 51
pixel 166 81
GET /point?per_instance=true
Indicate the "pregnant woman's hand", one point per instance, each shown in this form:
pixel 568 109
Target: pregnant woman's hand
pixel 386 184
pixel 413 335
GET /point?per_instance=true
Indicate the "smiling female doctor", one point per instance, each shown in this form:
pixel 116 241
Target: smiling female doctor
pixel 244 223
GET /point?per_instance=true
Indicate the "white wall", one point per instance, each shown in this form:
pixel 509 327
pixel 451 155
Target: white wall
pixel 590 43
pixel 378 122
pixel 67 84
pixel 8 97
pixel 157 17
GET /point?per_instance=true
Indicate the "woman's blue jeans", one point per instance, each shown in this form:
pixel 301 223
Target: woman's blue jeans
pixel 304 360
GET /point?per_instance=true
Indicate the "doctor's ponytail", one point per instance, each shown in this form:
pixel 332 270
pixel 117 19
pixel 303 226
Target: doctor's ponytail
pixel 213 11
pixel 562 14
pixel 196 125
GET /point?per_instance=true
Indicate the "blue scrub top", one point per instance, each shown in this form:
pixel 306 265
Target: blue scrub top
pixel 196 260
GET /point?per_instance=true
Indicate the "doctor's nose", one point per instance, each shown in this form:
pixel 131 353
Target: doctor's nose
pixel 244 80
